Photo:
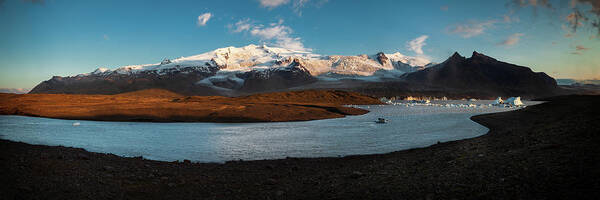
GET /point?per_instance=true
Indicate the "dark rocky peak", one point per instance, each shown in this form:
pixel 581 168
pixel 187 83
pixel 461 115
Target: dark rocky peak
pixel 213 62
pixel 382 58
pixel 481 57
pixel 297 63
pixel 456 57
pixel 291 61
pixel 165 61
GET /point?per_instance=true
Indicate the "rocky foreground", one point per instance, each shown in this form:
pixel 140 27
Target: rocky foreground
pixel 547 151
pixel 157 105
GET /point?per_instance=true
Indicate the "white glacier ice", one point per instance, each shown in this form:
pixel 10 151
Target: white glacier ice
pixel 255 57
pixel 514 101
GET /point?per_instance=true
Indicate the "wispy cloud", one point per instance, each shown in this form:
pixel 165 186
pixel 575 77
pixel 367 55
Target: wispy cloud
pixel 579 49
pixel 276 33
pixel 472 28
pixel 270 4
pixel 416 45
pixel 297 5
pixel 512 40
pixel 242 25
pixel 203 19
pixel 15 90
pixel 510 19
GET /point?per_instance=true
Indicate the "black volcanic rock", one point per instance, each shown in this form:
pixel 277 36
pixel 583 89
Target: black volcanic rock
pixel 383 60
pixel 165 61
pixel 295 74
pixel 406 67
pixel 482 74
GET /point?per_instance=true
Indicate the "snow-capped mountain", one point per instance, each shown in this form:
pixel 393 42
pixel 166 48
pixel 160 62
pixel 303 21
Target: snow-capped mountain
pixel 233 69
pixel 254 57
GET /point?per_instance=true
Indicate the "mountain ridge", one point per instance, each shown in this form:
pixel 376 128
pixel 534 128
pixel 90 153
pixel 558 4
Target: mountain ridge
pixel 481 72
pixel 255 69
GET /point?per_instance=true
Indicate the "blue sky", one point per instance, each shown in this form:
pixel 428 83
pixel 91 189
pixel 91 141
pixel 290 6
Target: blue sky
pixel 40 39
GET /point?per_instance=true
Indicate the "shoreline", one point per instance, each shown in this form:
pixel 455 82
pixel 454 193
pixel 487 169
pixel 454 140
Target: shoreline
pixel 543 151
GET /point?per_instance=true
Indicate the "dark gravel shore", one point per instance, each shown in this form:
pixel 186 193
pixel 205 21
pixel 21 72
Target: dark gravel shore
pixel 547 151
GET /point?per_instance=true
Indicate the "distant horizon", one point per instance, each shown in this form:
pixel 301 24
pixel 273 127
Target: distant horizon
pixel 61 38
pixel 26 90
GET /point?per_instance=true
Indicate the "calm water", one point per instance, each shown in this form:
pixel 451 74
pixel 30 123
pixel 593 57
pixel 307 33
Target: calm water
pixel 408 127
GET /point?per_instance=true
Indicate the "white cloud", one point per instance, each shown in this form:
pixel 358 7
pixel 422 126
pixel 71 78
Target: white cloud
pixel 278 34
pixel 15 90
pixel 242 25
pixel 512 39
pixel 471 29
pixel 203 18
pixel 417 44
pixel 272 3
pixel 298 5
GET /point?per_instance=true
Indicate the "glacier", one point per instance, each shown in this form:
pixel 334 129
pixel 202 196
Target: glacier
pixel 257 58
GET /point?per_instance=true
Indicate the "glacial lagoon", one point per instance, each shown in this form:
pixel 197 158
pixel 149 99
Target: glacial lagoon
pixel 409 126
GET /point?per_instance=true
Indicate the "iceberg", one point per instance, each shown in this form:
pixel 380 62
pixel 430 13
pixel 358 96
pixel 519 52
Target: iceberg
pixel 498 101
pixel 514 101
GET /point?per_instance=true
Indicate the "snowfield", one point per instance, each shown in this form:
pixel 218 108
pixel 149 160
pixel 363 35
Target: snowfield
pixel 255 57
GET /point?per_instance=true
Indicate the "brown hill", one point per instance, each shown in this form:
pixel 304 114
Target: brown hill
pixel 165 106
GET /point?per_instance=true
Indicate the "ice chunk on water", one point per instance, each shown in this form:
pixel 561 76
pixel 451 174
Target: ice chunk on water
pixel 514 101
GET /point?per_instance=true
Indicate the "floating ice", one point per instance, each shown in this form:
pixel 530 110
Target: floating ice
pixel 514 101
pixel 498 101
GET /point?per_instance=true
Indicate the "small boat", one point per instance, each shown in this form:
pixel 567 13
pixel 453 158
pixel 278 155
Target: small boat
pixel 381 121
pixel 76 124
